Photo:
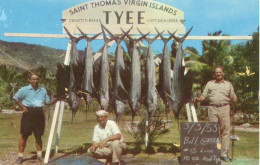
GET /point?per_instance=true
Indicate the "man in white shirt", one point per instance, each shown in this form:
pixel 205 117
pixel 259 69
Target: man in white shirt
pixel 107 139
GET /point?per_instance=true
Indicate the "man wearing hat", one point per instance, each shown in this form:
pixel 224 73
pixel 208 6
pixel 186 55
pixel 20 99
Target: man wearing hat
pixel 107 139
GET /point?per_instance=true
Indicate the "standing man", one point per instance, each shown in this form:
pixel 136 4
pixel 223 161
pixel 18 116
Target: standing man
pixel 220 93
pixel 31 100
pixel 107 140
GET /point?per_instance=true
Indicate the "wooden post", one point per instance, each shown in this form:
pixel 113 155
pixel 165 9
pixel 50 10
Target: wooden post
pixel 146 129
pixel 67 57
pixel 47 154
pixel 66 62
pixel 193 111
pixel 188 112
pixel 60 107
pixel 59 126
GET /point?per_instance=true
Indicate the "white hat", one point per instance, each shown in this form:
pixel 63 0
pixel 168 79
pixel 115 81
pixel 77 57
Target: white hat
pixel 101 113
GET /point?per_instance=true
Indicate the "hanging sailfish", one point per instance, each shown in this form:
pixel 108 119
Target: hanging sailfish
pixel 104 73
pixel 150 78
pixel 135 82
pixel 120 93
pixel 165 74
pixel 182 84
pixel 75 74
pixel 88 84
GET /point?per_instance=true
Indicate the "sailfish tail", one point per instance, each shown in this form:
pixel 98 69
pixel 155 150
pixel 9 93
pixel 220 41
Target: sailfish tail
pixel 180 40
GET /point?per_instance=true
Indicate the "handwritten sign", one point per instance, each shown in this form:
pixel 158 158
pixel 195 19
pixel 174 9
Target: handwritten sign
pixel 199 143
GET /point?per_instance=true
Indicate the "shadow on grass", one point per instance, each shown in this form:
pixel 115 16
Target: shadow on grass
pixel 132 148
pixel 34 157
pixel 79 151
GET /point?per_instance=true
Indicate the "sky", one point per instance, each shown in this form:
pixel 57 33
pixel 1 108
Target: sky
pixel 232 17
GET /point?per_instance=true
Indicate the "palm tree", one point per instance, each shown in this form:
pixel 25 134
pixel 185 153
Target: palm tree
pixel 214 51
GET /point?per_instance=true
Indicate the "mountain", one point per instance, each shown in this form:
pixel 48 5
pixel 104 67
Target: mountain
pixel 30 56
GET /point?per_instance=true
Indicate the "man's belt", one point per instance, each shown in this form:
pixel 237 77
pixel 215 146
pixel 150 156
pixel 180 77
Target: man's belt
pixel 34 108
pixel 219 105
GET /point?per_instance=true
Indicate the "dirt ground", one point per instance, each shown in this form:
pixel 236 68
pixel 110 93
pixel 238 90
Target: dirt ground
pixel 85 160
pixel 126 160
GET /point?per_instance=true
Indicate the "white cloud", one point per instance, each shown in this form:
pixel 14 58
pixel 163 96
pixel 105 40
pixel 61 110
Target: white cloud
pixel 3 15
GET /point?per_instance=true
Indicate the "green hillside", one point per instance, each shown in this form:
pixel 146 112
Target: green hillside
pixel 30 56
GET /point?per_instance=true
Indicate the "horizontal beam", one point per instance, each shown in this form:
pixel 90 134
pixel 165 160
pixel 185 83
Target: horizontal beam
pixel 219 38
pixel 101 37
pixel 36 35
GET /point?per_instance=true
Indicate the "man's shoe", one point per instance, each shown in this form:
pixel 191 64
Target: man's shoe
pixel 19 160
pixel 40 158
pixel 225 159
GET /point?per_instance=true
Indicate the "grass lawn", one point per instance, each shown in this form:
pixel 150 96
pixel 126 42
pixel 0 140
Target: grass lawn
pixel 76 137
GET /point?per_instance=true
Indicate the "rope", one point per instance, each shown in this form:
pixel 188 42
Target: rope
pixel 16 62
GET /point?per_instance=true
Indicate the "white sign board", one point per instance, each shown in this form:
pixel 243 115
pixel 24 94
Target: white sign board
pixel 116 14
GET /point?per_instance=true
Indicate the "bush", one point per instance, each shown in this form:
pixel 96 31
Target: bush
pixel 138 129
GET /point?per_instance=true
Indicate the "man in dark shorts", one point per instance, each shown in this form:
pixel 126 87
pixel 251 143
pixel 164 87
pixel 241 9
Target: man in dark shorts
pixel 31 100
